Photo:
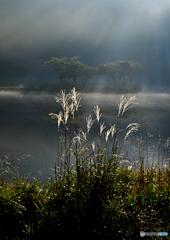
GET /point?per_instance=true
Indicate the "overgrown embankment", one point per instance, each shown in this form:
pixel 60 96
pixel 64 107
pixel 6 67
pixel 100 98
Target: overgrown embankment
pixel 104 202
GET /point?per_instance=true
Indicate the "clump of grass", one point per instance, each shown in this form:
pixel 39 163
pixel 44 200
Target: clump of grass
pixel 106 202
pixel 75 143
pixel 9 165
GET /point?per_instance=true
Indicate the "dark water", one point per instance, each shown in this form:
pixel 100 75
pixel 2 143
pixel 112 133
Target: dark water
pixel 25 128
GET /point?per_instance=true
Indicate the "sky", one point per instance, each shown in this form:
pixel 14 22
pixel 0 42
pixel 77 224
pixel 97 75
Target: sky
pixel 98 31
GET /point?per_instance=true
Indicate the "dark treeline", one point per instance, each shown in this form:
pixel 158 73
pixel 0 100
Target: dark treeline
pixel 69 70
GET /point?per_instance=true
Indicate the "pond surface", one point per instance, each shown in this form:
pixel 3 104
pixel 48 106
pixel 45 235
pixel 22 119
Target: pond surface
pixel 26 129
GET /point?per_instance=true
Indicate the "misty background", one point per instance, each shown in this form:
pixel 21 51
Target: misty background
pixel 98 31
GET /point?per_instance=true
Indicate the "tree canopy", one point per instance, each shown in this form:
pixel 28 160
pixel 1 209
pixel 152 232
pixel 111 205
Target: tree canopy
pixel 69 68
pixel 120 69
pixel 73 69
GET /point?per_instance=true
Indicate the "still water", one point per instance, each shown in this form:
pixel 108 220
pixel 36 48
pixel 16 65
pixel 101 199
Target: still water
pixel 29 137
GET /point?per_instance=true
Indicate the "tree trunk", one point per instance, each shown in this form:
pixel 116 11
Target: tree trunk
pixel 113 78
pixel 74 81
pixel 61 80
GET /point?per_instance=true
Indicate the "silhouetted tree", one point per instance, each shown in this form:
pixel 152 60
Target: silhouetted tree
pixel 69 68
pixel 120 69
pixel 110 69
pixel 134 68
pixel 59 65
pixel 88 74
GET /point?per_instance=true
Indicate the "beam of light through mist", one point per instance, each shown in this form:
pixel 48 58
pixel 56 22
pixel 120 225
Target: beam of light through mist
pixel 97 31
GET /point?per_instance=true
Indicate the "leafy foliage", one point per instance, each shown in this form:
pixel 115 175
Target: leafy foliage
pixel 70 68
pixel 119 70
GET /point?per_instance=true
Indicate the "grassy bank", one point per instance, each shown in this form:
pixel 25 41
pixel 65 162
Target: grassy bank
pixel 104 201
pixel 100 196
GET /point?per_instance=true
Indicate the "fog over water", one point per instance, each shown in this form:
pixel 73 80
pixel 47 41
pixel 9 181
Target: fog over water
pixel 25 128
pixel 98 31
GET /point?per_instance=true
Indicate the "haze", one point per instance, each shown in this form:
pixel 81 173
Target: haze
pixel 98 31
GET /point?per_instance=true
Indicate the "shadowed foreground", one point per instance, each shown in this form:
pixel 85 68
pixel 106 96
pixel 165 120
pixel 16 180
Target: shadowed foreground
pixel 103 202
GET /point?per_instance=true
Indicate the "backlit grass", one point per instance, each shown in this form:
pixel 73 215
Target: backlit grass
pixel 99 196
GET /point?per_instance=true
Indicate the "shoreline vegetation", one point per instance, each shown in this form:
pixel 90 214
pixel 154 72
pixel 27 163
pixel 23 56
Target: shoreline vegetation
pixel 114 204
pixel 102 195
pixel 84 88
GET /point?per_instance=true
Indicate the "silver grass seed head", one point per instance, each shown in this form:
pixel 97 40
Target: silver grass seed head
pixel 76 139
pixel 78 103
pixel 124 104
pixel 62 99
pixel 113 130
pixel 137 125
pixel 127 104
pixel 90 122
pixel 57 116
pixel 97 113
pixel 66 113
pixel 72 109
pixel 81 136
pixel 93 145
pixel 75 99
pixel 107 134
pixel 102 127
pixel 121 105
pixel 133 127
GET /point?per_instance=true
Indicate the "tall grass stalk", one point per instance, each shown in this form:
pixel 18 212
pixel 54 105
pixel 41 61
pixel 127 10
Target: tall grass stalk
pixel 77 138
pixel 105 204
pixel 99 196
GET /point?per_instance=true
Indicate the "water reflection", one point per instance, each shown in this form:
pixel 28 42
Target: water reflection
pixel 26 128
